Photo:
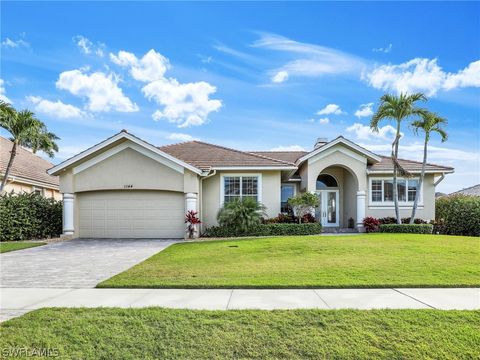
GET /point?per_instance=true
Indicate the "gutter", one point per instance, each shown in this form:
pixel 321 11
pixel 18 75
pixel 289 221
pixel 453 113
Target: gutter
pixel 439 180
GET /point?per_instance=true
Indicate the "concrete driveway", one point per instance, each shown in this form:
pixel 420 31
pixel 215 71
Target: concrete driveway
pixel 79 263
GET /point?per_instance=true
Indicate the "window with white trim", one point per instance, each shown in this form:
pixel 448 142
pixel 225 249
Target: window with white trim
pixel 381 191
pixel 240 187
pixel 38 191
pixel 287 191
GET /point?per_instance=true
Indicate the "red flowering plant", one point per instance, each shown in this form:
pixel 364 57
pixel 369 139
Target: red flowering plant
pixel 191 219
pixel 371 224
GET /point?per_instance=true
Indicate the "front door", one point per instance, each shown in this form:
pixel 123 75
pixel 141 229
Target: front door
pixel 327 210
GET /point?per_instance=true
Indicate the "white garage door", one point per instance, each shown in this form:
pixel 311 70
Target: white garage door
pixel 131 214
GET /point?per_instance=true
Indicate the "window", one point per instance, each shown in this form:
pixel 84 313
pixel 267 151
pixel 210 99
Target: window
pixel 381 190
pixel 38 191
pixel 326 181
pixel 240 187
pixel 287 191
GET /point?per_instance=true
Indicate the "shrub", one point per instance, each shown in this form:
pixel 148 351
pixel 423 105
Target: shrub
pixel 241 215
pixel 371 224
pixel 29 216
pixel 280 219
pixel 392 220
pixel 303 204
pixel 266 230
pixel 407 228
pixel 458 215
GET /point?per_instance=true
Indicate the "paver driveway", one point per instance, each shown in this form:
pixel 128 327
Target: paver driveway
pixel 79 263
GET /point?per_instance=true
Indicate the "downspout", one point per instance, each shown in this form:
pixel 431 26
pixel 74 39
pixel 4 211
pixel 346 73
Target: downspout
pixel 439 180
pixel 209 174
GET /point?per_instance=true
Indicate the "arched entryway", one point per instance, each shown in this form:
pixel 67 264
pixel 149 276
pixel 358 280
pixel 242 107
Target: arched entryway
pixel 337 186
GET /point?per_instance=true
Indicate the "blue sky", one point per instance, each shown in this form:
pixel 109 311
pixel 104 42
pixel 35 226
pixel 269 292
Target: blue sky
pixel 253 76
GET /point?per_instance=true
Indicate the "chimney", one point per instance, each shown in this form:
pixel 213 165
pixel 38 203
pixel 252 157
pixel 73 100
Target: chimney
pixel 320 142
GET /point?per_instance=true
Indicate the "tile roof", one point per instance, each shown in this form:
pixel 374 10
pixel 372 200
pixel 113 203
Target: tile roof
pixel 205 156
pixel 290 156
pixel 471 191
pixel 25 164
pixel 386 164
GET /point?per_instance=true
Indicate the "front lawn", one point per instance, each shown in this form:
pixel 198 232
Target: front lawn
pixel 370 260
pixel 155 333
pixel 17 245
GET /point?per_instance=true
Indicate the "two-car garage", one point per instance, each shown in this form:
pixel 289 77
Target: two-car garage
pixel 131 214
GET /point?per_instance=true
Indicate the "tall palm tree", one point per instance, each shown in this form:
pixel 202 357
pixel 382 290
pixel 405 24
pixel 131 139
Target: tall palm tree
pixel 429 123
pixel 397 108
pixel 26 131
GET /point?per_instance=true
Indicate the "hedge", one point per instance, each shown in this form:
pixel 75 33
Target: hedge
pixel 458 215
pixel 406 228
pixel 29 216
pixel 267 230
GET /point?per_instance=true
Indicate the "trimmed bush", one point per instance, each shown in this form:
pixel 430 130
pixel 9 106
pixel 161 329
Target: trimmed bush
pixel 406 228
pixel 29 216
pixel 371 224
pixel 266 230
pixel 458 215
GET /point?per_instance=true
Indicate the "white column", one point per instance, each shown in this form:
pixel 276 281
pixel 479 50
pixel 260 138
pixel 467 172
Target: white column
pixel 191 200
pixel 68 205
pixel 361 197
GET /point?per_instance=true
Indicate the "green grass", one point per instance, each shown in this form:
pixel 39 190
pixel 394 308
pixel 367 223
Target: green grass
pixel 17 245
pixel 372 260
pixel 155 333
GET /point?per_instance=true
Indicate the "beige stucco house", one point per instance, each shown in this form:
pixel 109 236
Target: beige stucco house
pixel 125 187
pixel 28 173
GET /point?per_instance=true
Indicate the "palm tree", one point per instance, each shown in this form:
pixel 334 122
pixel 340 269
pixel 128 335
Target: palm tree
pixel 241 215
pixel 397 108
pixel 429 123
pixel 26 131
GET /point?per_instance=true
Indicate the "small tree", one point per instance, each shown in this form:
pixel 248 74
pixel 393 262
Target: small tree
pixel 241 215
pixel 192 220
pixel 303 204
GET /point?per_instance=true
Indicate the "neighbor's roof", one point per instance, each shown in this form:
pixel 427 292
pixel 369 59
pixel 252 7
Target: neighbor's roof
pixel 25 164
pixel 290 156
pixel 470 191
pixel 206 156
pixel 386 165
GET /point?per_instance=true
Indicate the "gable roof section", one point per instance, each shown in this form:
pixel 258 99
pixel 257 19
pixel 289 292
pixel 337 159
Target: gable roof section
pixel 341 140
pixel 123 135
pixel 386 166
pixel 26 165
pixel 208 156
pixel 289 156
pixel 470 191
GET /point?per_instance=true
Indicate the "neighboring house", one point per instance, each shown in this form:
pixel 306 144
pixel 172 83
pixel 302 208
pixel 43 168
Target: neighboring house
pixel 125 187
pixel 28 173
pixel 470 191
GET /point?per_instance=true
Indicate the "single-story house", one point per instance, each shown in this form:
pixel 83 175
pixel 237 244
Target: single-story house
pixel 28 173
pixel 125 187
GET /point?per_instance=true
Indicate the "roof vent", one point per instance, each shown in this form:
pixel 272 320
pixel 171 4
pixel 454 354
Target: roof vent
pixel 124 131
pixel 320 142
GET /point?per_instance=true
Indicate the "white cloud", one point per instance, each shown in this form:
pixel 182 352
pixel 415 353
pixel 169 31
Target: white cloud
pixel 324 120
pixel 180 137
pixel 364 110
pixel 280 77
pixel 185 104
pixel 385 49
pixel 363 132
pixel 9 43
pixel 310 60
pixel 421 75
pixel 330 109
pixel 468 77
pixel 3 96
pixel 100 89
pixel 288 148
pixel 88 47
pixel 152 66
pixel 57 109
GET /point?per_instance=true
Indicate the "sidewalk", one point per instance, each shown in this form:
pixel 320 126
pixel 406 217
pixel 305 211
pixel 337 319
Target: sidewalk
pixel 17 301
